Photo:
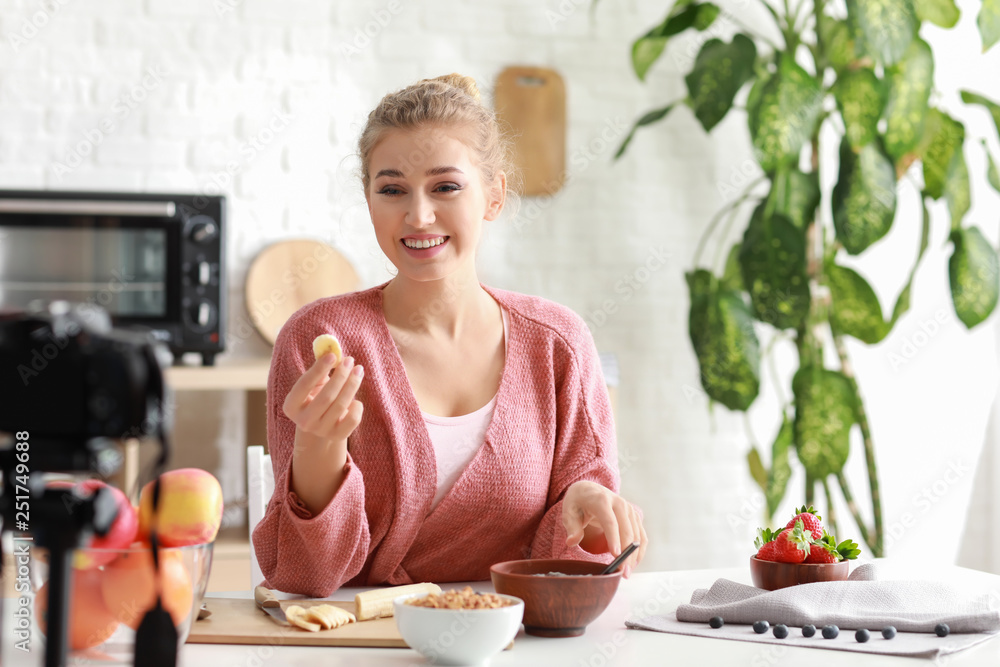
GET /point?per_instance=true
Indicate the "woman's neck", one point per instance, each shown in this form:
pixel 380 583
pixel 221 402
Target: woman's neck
pixel 439 308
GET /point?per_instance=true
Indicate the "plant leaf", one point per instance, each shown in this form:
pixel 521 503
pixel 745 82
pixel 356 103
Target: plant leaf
pixel 781 469
pixel 885 27
pixel 992 175
pixel 757 470
pixel 864 199
pixel 973 271
pixel 721 329
pixel 989 23
pixel 795 195
pixel 903 300
pixel 783 113
pixel 856 310
pixel 825 410
pixel 838 42
pixel 860 97
pixel 648 118
pixel 732 279
pixel 943 13
pixel 719 71
pixel 683 15
pixel 957 191
pixel 773 263
pixel 910 81
pixel 970 97
pixel 943 135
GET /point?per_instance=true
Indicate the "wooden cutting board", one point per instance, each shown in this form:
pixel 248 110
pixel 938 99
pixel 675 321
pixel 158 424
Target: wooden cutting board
pixel 241 622
pixel 531 101
pixel 290 274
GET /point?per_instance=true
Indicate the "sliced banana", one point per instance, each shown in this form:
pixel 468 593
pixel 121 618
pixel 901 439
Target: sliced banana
pixel 297 616
pixel 329 616
pixel 326 343
pixel 318 617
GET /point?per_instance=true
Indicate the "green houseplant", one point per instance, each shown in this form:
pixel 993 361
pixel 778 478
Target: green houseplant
pixel 865 71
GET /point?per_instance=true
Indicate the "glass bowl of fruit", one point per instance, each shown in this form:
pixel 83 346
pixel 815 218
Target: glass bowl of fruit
pixel 108 600
pixel 801 552
pixel 114 582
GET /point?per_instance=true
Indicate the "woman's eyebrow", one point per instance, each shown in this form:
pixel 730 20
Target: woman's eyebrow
pixel 437 171
pixel 434 171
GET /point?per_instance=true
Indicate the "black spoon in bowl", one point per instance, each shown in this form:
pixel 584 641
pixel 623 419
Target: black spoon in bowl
pixel 616 563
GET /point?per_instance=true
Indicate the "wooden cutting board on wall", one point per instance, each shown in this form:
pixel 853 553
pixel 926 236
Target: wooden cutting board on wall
pixel 287 275
pixel 531 102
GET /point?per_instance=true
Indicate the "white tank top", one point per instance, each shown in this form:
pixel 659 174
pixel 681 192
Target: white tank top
pixel 457 439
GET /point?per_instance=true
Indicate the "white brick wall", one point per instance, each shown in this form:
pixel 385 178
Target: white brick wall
pixel 227 67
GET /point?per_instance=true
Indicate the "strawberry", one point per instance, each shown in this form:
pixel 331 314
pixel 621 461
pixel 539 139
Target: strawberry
pixel 768 551
pixel 792 544
pixel 826 550
pixel 810 519
pixel 765 544
pixel 821 552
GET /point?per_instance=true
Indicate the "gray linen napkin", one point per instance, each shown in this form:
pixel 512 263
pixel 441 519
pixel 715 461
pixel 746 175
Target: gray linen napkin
pixel 910 606
pixel 871 599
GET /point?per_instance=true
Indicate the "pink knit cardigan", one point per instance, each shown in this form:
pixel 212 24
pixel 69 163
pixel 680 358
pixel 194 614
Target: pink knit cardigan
pixel 552 426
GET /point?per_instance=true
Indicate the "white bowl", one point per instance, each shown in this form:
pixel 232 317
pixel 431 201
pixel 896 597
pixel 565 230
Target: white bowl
pixel 458 636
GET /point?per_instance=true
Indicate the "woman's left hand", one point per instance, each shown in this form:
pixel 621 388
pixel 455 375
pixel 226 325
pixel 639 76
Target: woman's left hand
pixel 593 514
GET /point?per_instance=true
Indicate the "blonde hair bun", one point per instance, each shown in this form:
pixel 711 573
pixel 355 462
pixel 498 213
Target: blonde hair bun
pixel 464 83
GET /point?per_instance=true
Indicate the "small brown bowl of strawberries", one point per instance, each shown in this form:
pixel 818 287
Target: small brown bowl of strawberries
pixel 800 553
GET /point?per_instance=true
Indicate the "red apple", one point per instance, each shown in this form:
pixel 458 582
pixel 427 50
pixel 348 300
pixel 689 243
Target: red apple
pixel 190 508
pixel 120 536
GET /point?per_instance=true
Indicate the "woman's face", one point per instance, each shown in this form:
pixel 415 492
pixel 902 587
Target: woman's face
pixel 427 201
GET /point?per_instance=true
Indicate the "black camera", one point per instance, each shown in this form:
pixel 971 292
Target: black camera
pixel 65 373
pixel 72 387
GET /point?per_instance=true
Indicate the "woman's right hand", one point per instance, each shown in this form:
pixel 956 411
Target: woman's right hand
pixel 322 405
pixel 325 412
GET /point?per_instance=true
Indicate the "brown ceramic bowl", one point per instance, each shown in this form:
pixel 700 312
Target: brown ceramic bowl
pixel 771 576
pixel 556 606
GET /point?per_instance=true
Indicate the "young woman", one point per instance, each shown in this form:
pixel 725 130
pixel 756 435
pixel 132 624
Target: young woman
pixel 466 425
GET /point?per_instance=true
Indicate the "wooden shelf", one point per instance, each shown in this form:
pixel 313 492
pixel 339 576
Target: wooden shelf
pixel 246 374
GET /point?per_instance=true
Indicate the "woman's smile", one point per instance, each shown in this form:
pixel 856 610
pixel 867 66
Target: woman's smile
pixel 423 246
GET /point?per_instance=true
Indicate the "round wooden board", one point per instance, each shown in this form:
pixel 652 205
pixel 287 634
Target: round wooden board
pixel 290 274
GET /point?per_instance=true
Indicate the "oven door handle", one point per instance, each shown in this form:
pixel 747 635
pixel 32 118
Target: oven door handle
pixel 149 209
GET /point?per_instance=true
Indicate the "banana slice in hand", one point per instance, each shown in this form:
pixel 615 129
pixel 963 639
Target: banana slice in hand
pixel 326 343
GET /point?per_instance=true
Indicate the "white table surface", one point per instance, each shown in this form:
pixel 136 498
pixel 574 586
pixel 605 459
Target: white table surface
pixel 606 642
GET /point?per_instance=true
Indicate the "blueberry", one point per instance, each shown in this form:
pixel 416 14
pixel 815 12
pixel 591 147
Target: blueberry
pixel 716 622
pixel 808 630
pixel 942 629
pixel 780 631
pixel 888 632
pixel 862 635
pixel 830 631
pixel 760 627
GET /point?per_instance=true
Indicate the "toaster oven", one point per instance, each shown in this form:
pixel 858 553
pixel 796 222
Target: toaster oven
pixel 155 262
